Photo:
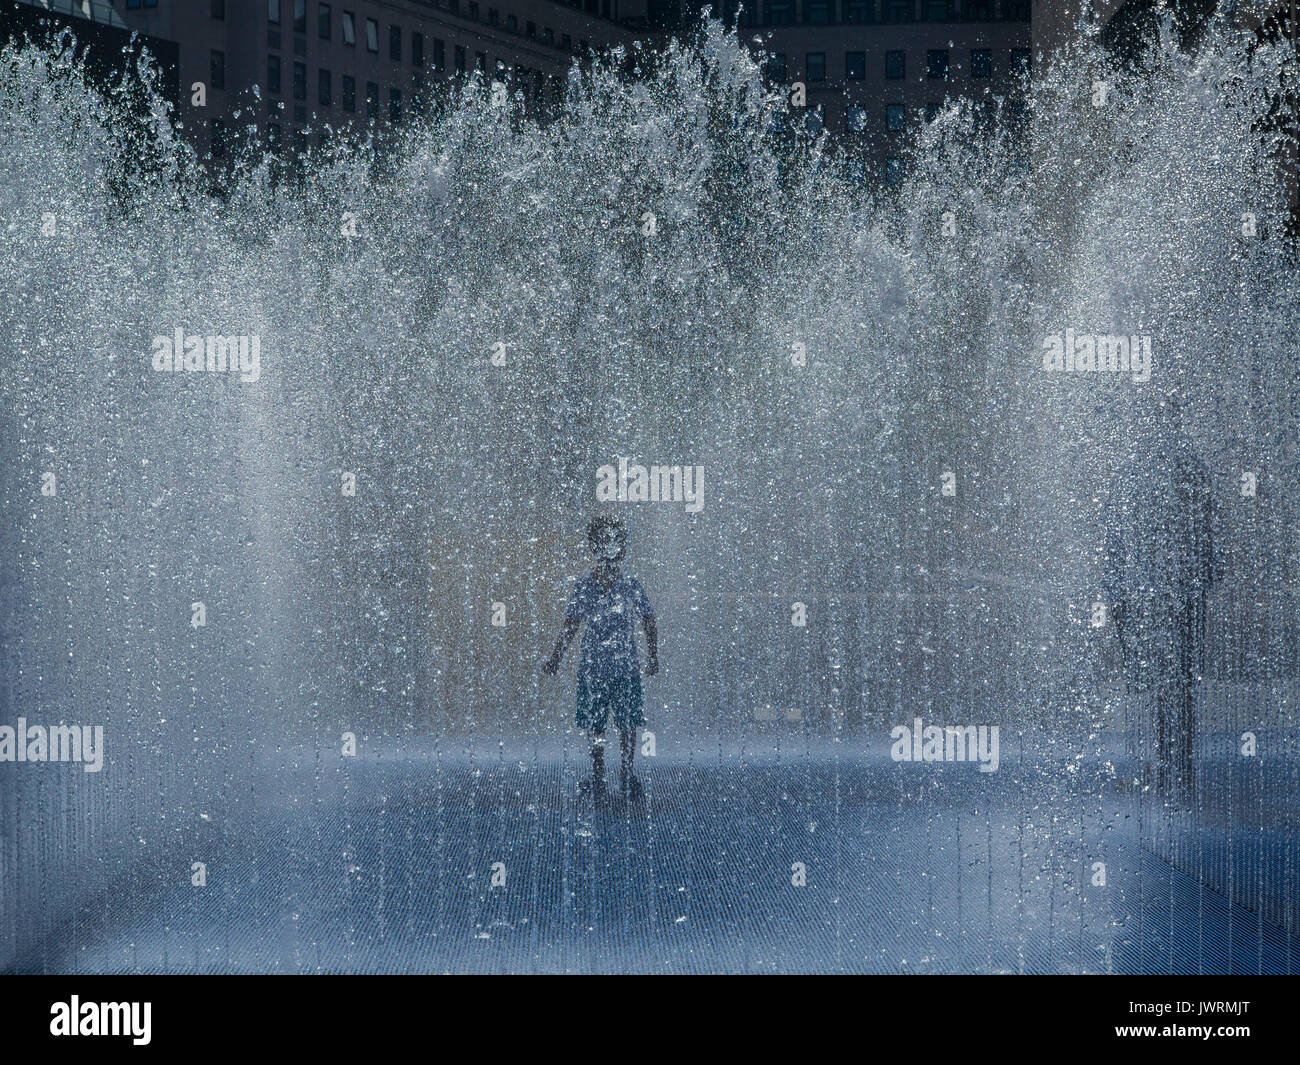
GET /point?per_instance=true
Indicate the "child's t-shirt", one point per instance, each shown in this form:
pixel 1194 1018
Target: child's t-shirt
pixel 609 638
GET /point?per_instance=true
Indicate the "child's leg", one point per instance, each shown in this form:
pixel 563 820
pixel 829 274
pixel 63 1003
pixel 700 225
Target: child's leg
pixel 627 748
pixel 598 757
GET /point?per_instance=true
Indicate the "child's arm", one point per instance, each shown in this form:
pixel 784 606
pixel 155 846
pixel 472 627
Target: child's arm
pixel 651 645
pixel 552 664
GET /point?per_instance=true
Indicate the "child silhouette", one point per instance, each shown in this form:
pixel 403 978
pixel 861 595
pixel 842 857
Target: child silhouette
pixel 609 674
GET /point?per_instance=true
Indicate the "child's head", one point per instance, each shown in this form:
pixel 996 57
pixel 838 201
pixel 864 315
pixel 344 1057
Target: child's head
pixel 607 536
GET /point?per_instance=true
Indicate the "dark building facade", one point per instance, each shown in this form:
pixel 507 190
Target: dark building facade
pixel 346 63
pixel 870 70
pixel 105 42
pixel 1125 23
pixel 873 70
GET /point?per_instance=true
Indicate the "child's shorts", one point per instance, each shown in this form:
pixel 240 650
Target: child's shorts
pixel 600 699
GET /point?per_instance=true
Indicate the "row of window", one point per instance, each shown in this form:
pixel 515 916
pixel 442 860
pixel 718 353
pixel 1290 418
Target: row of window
pixel 348 28
pixel 777 12
pixel 937 64
pixel 218 134
pixel 856 118
pixel 602 8
pixel 814 67
pixel 887 12
pixel 373 102
pixel 348 83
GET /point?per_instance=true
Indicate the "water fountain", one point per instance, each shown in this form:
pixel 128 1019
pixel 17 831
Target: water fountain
pixel 454 338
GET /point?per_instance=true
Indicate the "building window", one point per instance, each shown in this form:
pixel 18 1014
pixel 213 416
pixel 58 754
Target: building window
pixel 893 171
pixel 815 66
pixel 459 57
pixel 981 63
pixel 473 12
pixel 937 10
pixel 895 65
pixel 854 119
pixel 512 23
pixel 859 11
pixel 439 54
pixel 936 63
pixel 349 28
pixel 417 49
pixel 1015 10
pixel 855 66
pixel 349 93
pixel 566 42
pixel 780 12
pixel 217 137
pixel 977 10
pixel 895 118
pixel 219 9
pixel 548 35
pixel 372 100
pixel 218 69
pixel 272 15
pixel 372 35
pixel 300 81
pixel 1020 61
pixel 395 43
pixel 299 16
pixel 530 29
pixel 323 27
pixel 898 11
pixel 776 66
pixel 932 111
pixel 494 16
pixel 273 73
pixel 326 89
pixel 394 105
pixel 480 61
pixel 817 12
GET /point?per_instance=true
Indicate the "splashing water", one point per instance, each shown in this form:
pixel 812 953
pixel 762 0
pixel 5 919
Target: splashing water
pixel 456 334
